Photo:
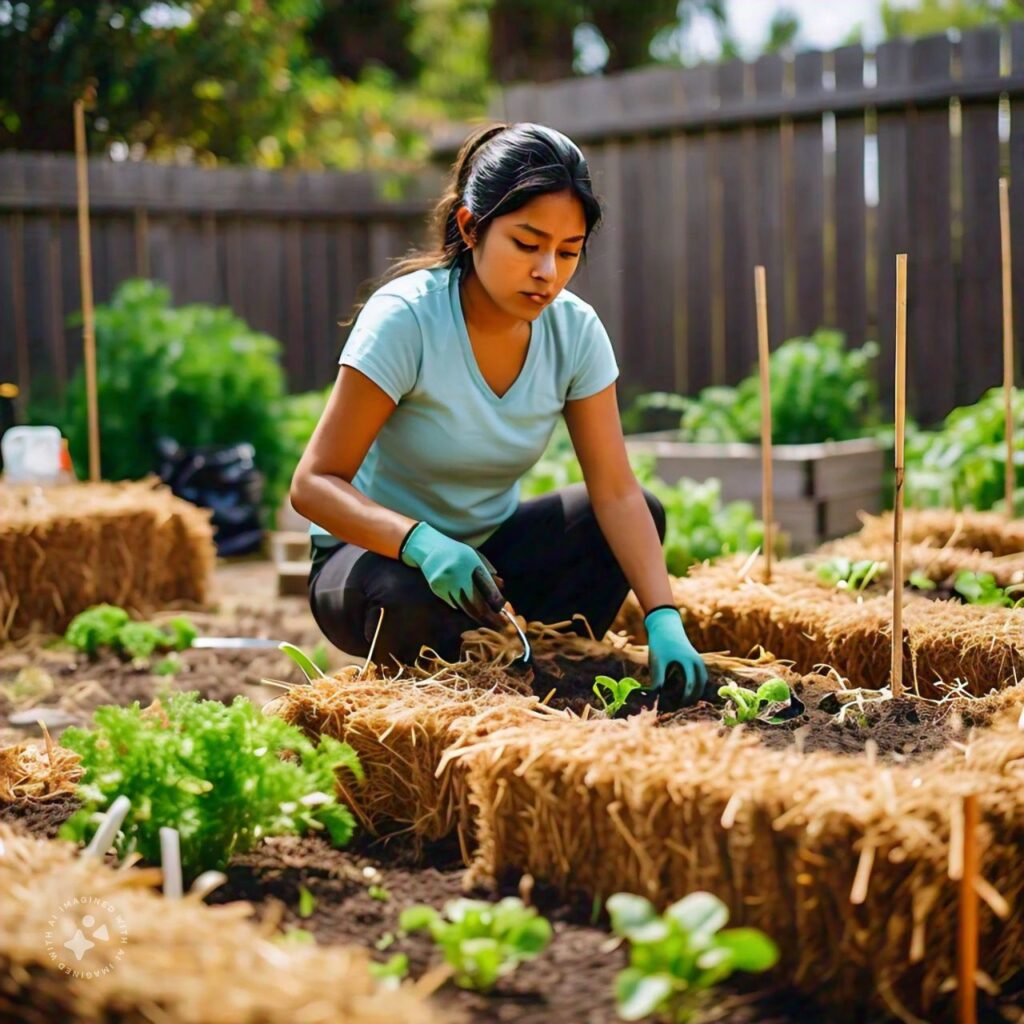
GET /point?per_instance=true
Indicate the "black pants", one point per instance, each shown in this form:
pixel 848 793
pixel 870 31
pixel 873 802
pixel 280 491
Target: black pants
pixel 550 553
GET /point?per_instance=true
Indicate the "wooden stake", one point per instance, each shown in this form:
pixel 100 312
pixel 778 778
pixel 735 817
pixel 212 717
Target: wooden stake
pixel 85 264
pixel 1004 224
pixel 967 966
pixel 897 523
pixel 767 512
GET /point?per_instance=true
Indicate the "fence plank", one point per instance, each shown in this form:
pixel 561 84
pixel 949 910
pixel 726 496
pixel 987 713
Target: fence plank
pixel 770 246
pixel 849 263
pixel 931 312
pixel 893 236
pixel 807 196
pixel 980 318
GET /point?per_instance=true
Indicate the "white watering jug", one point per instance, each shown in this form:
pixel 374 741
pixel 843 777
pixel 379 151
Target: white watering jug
pixel 31 454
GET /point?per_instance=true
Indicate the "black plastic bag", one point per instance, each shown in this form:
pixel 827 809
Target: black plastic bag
pixel 219 477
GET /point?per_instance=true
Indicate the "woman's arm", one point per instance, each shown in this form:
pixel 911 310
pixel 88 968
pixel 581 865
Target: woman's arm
pixel 321 487
pixel 618 502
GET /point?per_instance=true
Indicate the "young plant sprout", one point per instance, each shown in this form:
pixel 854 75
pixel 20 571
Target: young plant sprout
pixel 750 704
pixel 981 588
pixel 675 958
pixel 482 941
pixel 920 580
pixel 618 692
pixel 844 574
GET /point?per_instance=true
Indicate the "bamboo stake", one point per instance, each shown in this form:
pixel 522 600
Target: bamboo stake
pixel 1008 368
pixel 897 535
pixel 85 264
pixel 967 967
pixel 767 511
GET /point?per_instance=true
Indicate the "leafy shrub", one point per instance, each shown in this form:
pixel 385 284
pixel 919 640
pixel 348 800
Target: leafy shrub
pixel 675 958
pixel 223 776
pixel 196 373
pixel 107 626
pixel 482 941
pixel 963 463
pixel 821 391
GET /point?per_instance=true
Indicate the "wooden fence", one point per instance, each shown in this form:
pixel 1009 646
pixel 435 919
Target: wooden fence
pixel 822 168
pixel 287 252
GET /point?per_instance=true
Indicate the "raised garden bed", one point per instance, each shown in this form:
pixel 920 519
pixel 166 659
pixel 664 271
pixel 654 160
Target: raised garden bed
pixel 818 488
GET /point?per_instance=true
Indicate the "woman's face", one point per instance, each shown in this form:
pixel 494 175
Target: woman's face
pixel 531 252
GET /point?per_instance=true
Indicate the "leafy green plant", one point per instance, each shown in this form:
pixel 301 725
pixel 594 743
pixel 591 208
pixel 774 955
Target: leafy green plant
pixel 963 463
pixel 920 580
pixel 845 574
pixel 307 902
pixel 676 957
pixel 196 373
pixel 223 776
pixel 392 971
pixel 750 704
pixel 618 691
pixel 107 626
pixel 981 588
pixel 482 941
pixel 821 391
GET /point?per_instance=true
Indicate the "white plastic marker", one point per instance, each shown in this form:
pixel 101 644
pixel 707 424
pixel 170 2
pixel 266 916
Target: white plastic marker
pixel 170 861
pixel 206 883
pixel 108 828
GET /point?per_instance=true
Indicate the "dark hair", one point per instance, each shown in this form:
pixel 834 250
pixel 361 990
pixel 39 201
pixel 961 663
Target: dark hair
pixel 499 169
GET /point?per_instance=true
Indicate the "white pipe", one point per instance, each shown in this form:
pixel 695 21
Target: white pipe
pixel 108 828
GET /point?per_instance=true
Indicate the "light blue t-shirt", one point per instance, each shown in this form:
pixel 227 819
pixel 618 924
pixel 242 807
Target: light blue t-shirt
pixel 452 452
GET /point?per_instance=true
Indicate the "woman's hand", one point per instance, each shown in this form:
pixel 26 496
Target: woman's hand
pixel 672 655
pixel 456 572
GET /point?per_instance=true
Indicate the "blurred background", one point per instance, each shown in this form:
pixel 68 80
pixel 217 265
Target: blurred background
pixel 255 164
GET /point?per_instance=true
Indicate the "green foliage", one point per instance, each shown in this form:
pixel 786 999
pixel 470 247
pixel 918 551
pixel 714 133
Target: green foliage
pixel 821 391
pixel 928 17
pixel 307 902
pixel 392 972
pixel 618 693
pixel 196 373
pixel 963 463
pixel 844 574
pixel 749 704
pixel 981 588
pixel 482 941
pixel 920 580
pixel 107 626
pixel 675 958
pixel 223 776
pixel 169 666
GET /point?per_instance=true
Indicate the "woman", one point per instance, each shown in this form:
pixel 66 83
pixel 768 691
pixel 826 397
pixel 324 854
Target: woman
pixel 450 385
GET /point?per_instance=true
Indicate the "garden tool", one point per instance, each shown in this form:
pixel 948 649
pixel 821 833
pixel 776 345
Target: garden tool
pixel 236 643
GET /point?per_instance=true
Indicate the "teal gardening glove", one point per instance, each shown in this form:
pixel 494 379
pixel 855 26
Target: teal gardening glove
pixel 456 572
pixel 675 664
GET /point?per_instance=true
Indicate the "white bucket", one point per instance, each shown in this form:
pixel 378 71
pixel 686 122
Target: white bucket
pixel 31 455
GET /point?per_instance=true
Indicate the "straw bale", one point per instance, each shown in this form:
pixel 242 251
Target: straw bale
pixel 796 618
pixel 400 728
pixel 132 544
pixel 31 772
pixel 975 531
pixel 783 838
pixel 176 961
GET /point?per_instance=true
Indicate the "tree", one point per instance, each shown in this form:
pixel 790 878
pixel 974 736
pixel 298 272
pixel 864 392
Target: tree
pixel 931 16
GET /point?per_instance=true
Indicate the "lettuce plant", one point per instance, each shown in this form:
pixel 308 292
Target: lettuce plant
pixel 482 941
pixel 981 588
pixel 105 626
pixel 675 958
pixel 618 693
pixel 749 703
pixel 223 776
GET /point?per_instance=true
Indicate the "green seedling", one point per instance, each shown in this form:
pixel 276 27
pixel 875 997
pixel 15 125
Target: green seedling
pixel 920 580
pixel 981 588
pixel 482 941
pixel 618 692
pixel 307 902
pixel 303 660
pixel 749 704
pixel 386 941
pixel 392 972
pixel 169 666
pixel 844 574
pixel 105 626
pixel 319 658
pixel 295 937
pixel 223 776
pixel 378 892
pixel 677 957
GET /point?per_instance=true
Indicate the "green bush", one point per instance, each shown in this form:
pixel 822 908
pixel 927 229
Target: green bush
pixel 821 391
pixel 963 463
pixel 223 776
pixel 196 373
